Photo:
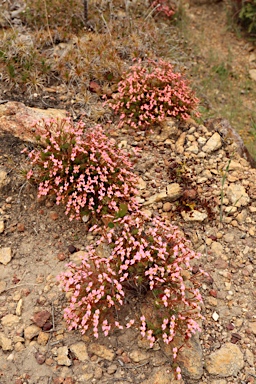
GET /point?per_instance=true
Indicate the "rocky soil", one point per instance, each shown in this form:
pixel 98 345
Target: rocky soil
pixel 189 175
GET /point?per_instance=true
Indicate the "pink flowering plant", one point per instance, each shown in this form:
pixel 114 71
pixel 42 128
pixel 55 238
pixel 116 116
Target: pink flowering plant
pixel 163 6
pixel 150 92
pixel 135 254
pixel 83 169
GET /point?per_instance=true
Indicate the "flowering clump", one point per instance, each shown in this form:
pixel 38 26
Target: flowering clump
pixel 163 6
pixel 150 93
pixel 135 254
pixel 84 169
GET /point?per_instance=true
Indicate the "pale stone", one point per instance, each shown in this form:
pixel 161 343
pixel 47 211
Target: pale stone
pixel 77 257
pixel 80 351
pixel 215 316
pixel 162 376
pixel 201 140
pixel 252 57
pixel 233 166
pixel 85 377
pixel 206 173
pixel 230 210
pixel 102 351
pixel 62 356
pixel 138 356
pixel 193 148
pixel 252 327
pixel 10 320
pixel 3 178
pixel 217 248
pixel 194 216
pixel 5 343
pixel 180 143
pixel 19 307
pixel 212 301
pixel 252 73
pixel 1 226
pixel 2 286
pixel 31 331
pixel 171 193
pixel 122 144
pixel 18 347
pixel 227 361
pixel 98 373
pixel 237 195
pixel 213 143
pixel 229 237
pixel 5 255
pixel 241 217
pixel 141 184
pixel 43 338
pixel 86 218
pixel 139 199
pixel 249 357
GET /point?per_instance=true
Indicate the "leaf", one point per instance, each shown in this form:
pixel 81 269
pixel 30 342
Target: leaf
pixel 111 225
pixel 123 209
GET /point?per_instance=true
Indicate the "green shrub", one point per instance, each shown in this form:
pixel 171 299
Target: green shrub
pixel 245 13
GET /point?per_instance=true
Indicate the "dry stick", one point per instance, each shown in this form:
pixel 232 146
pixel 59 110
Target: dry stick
pixel 85 11
pixel 53 320
pixel 47 22
pixel 20 285
pixel 150 13
pixel 224 176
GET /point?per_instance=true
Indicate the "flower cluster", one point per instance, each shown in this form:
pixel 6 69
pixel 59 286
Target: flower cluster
pixel 142 255
pixel 164 7
pixel 151 92
pixel 84 169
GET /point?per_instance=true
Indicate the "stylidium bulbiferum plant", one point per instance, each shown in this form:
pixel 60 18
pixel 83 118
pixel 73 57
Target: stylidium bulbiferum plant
pixel 135 254
pixel 163 6
pixel 83 169
pixel 150 92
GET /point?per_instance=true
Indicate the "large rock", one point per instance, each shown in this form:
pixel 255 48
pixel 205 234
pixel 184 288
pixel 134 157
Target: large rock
pixel 18 119
pixel 102 351
pixel 171 193
pixel 5 343
pixel 194 216
pixel 138 355
pixel 213 143
pixel 80 351
pixel 237 195
pixel 5 255
pixel 62 356
pixel 10 320
pixel 225 362
pixel 190 359
pixel 162 376
pixel 31 331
